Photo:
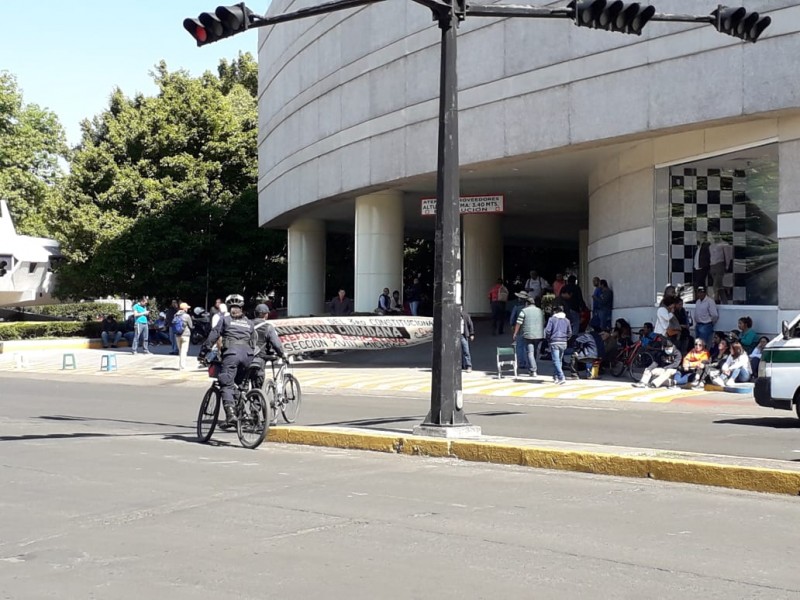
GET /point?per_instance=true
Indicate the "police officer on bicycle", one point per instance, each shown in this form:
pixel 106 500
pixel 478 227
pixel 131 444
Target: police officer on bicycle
pixel 268 344
pixel 238 342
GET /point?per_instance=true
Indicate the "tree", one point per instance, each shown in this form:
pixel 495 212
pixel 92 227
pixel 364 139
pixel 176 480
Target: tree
pixel 32 142
pixel 161 196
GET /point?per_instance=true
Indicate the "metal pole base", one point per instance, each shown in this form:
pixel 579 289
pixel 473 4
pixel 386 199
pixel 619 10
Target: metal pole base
pixel 448 431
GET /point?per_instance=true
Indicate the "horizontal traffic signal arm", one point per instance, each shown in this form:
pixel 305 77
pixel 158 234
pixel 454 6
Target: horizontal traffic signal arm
pixel 615 15
pixel 226 21
pixel 608 15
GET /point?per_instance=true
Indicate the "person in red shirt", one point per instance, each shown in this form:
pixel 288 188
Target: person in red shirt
pixel 498 296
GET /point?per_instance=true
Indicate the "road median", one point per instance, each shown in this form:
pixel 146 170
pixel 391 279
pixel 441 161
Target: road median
pixel 749 474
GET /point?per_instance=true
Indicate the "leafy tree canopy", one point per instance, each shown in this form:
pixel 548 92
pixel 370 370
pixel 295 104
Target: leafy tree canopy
pixel 161 195
pixel 31 143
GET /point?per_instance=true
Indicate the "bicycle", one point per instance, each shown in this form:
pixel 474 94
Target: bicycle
pixel 632 358
pixel 250 408
pixel 283 392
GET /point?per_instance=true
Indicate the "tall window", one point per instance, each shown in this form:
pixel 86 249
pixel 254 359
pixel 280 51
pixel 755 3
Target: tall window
pixel 723 226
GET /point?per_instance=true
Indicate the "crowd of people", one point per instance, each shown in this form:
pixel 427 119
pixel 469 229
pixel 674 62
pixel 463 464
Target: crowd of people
pixel 683 348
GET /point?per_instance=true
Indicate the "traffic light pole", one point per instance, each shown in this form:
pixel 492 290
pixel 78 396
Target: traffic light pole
pixel 446 417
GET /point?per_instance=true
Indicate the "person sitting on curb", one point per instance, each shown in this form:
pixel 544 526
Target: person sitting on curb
pixel 755 355
pixel 714 368
pixel 646 335
pixel 693 365
pixel 110 333
pixel 665 364
pixel 384 303
pixel 589 346
pixel 736 368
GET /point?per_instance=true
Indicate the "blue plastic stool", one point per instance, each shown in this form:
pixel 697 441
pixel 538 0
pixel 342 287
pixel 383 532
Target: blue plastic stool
pixel 68 361
pixel 108 362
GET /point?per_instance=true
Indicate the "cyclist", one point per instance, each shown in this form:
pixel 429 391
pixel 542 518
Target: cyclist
pixel 238 342
pixel 268 344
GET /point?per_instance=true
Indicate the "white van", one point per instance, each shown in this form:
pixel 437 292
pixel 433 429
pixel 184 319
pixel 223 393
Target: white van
pixel 778 383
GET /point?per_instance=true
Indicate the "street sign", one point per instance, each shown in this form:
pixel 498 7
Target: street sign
pixel 468 205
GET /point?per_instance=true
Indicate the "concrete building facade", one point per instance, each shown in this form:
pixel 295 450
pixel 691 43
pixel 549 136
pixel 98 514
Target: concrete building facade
pixel 642 152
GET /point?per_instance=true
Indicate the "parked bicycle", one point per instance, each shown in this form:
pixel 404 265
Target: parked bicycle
pixel 283 391
pixel 633 359
pixel 251 410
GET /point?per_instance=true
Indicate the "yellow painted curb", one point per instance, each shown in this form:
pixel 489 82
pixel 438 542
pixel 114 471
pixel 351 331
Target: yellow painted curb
pixel 754 479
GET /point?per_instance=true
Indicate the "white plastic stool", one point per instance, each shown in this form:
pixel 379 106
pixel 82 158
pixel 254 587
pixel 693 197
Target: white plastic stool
pixel 108 362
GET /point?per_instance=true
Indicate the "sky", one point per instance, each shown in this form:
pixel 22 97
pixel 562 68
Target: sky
pixel 69 55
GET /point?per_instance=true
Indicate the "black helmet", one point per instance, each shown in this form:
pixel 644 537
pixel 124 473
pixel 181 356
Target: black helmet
pixel 234 300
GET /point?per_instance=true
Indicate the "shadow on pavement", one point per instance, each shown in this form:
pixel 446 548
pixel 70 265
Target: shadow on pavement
pixel 71 418
pixel 774 422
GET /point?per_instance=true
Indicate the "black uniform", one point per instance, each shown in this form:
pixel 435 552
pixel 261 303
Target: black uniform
pixel 268 344
pixel 238 343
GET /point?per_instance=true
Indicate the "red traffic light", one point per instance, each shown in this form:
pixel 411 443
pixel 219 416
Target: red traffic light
pixel 196 30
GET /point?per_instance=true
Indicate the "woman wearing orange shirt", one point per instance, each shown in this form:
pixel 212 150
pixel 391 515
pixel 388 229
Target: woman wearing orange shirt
pixel 693 364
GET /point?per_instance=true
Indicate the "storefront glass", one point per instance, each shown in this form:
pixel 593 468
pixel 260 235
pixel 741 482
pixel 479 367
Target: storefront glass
pixel 722 220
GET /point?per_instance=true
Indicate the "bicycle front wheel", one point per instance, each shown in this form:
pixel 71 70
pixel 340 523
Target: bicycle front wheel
pixel 253 419
pixel 209 415
pixel 639 363
pixel 291 399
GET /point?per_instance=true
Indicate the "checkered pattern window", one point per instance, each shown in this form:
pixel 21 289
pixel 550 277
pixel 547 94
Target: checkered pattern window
pixel 723 226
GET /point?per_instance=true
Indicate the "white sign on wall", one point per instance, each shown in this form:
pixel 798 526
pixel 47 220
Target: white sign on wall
pixel 468 205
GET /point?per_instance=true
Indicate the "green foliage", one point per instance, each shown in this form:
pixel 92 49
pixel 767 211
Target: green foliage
pixel 31 143
pixel 82 311
pixel 161 197
pixel 25 330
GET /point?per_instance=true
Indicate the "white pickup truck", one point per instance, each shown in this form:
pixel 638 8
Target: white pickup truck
pixel 778 383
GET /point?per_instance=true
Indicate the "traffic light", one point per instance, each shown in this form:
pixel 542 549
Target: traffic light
pixel 624 17
pixel 5 265
pixel 740 23
pixel 224 22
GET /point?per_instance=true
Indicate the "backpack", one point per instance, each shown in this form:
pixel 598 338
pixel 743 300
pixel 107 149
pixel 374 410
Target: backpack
pixel 177 324
pixel 502 294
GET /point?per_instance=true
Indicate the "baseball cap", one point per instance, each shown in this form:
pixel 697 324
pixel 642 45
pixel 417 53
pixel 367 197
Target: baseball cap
pixel 262 309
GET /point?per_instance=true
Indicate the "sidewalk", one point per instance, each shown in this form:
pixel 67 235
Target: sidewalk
pixel 398 371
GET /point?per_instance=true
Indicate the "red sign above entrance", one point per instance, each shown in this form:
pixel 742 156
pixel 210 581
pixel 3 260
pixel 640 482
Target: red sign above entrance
pixel 468 205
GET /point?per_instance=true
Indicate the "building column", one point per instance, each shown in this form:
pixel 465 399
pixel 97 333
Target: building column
pixel 482 261
pixel 306 269
pixel 378 247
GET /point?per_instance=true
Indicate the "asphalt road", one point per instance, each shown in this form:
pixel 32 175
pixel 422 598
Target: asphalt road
pixel 736 427
pixel 104 494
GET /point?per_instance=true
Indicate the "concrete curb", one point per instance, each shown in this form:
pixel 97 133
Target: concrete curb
pixel 739 477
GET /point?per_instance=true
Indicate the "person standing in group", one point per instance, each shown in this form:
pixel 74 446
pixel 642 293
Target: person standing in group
pixel 169 315
pixel 721 262
pixel 180 329
pixel 558 284
pixel 519 346
pixel 341 305
pixel 536 286
pixel 557 334
pixel 531 321
pixel 141 327
pixel 705 316
pixel 498 296
pixel 413 296
pixel 467 335
pixel 572 300
pixel 664 317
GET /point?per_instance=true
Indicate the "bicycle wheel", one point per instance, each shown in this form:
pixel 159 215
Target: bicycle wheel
pixel 639 363
pixel 209 415
pixel 253 420
pixel 271 393
pixel 291 399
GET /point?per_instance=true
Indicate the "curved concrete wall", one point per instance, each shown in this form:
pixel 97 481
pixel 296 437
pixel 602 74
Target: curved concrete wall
pixel 348 101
